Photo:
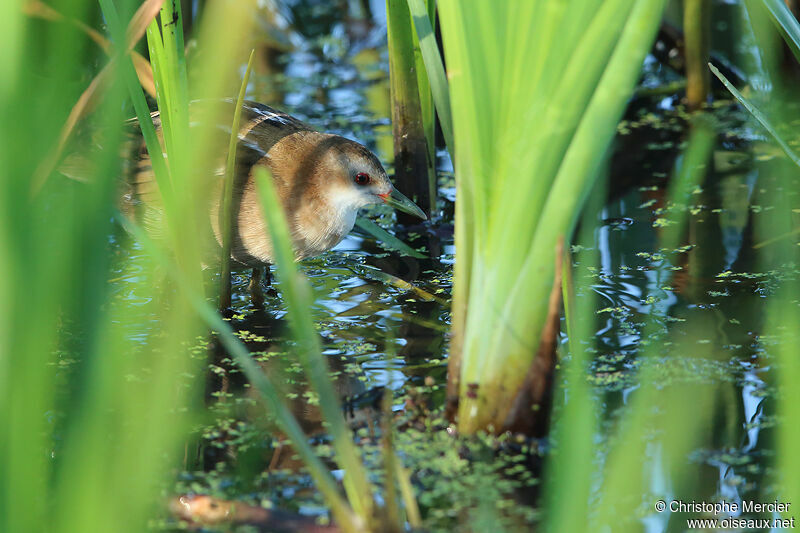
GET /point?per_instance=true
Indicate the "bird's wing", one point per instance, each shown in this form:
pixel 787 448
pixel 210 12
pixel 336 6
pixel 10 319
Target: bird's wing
pixel 261 127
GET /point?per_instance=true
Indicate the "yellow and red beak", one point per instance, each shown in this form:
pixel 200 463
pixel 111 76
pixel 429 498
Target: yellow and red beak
pixel 399 201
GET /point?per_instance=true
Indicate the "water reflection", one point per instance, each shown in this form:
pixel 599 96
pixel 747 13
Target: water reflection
pixel 709 311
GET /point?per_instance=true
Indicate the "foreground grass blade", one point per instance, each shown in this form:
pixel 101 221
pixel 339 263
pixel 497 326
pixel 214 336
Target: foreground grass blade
pixel 657 404
pixel 227 203
pixel 114 417
pixel 566 475
pixel 784 19
pixel 283 415
pixel 689 176
pixel 297 293
pixel 392 505
pixel 409 499
pixel 140 105
pixel 654 423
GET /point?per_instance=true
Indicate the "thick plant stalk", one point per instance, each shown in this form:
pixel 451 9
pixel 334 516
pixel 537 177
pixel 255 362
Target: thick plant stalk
pixel 410 145
pixel 426 96
pixel 697 33
pixel 518 202
pixel 530 132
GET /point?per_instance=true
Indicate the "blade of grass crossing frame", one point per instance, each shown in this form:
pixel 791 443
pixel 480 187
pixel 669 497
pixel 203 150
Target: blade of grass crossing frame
pixel 140 105
pixel 173 105
pixel 172 95
pixel 658 403
pixel 297 293
pixel 391 506
pixel 171 22
pixel 758 115
pixel 691 172
pixel 227 203
pixel 409 500
pixel 283 415
pixel 568 483
pixel 158 61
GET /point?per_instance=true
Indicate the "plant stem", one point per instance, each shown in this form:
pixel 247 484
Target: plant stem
pixel 697 32
pixel 410 146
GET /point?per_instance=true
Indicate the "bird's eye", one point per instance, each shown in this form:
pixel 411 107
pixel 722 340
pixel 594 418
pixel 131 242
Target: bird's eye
pixel 362 178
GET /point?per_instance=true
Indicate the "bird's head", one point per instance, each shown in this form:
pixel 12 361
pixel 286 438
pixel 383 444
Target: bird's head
pixel 360 180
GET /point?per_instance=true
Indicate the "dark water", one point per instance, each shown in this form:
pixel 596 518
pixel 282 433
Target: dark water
pixel 335 76
pixel 707 299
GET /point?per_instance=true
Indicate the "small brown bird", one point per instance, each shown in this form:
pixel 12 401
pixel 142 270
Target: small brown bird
pixel 321 179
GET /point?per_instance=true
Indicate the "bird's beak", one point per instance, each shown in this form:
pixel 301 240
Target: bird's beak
pixel 399 201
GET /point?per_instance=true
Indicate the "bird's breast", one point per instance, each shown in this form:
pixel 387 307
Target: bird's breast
pixel 320 228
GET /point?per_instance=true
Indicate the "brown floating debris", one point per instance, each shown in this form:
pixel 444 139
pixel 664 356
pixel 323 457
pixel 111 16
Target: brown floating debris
pixel 202 510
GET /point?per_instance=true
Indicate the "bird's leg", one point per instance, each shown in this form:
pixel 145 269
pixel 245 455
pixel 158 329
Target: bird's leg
pixel 256 294
pixel 271 291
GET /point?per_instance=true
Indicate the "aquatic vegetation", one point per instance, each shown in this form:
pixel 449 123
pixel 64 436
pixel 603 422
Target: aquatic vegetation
pixel 531 132
pixel 675 369
pixel 696 28
pixel 412 128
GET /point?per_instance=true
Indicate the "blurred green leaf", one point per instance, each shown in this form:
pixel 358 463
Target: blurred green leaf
pixel 785 20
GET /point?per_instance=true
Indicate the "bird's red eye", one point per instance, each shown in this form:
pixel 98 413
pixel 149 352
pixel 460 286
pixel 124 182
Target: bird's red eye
pixel 362 178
